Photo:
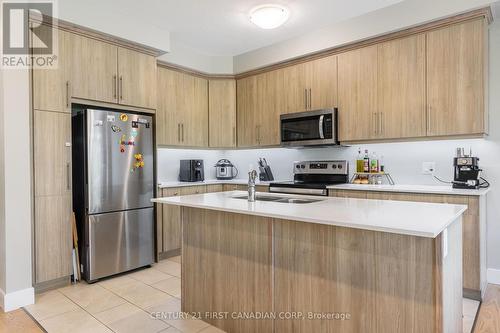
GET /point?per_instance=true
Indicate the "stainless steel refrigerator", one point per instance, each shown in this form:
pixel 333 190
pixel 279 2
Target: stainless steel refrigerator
pixel 113 183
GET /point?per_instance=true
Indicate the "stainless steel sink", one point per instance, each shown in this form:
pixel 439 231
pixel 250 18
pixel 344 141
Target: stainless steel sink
pixel 279 199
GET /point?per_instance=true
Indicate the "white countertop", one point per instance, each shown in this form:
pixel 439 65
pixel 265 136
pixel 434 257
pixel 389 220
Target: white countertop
pixel 400 217
pixel 210 182
pixel 430 189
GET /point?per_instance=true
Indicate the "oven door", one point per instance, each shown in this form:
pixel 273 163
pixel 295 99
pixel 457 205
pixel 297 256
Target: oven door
pixel 309 128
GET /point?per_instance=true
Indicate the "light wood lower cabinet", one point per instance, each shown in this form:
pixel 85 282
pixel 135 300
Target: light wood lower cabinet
pixel 53 195
pixel 168 217
pixel 241 187
pixel 471 229
pixel 53 241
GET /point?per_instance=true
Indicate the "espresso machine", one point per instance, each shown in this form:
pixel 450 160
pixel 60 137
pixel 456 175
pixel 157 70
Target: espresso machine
pixel 467 171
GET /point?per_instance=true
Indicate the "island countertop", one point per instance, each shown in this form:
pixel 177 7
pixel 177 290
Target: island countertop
pixel 399 217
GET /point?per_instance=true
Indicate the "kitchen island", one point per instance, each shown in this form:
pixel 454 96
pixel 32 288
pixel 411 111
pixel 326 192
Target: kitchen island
pixel 287 264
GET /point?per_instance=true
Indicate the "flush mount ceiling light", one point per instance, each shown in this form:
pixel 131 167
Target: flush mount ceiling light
pixel 269 16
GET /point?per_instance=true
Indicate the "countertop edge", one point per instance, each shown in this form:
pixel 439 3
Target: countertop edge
pixel 166 200
pixel 408 189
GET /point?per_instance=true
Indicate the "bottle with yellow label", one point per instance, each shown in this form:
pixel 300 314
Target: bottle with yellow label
pixel 359 162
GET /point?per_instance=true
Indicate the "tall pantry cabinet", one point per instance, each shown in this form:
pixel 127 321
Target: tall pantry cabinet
pixel 52 166
pixel 90 69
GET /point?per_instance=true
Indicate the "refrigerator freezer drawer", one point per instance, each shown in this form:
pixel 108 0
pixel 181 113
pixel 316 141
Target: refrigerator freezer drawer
pixel 119 242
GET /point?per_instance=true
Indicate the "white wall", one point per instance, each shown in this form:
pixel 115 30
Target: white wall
pixel 185 56
pixel 2 194
pixel 392 18
pixel 108 17
pixel 15 187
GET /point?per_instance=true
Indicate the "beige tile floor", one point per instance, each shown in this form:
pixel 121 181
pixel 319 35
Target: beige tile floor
pixel 128 302
pixel 121 304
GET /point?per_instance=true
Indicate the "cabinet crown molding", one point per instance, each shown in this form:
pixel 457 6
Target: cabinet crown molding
pixel 95 34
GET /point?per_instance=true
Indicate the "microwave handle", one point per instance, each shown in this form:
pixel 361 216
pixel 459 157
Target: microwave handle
pixel 321 120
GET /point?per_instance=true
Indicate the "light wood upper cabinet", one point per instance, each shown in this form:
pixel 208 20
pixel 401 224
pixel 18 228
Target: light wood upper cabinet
pixel 222 113
pixel 137 78
pixel 194 128
pixel 51 86
pixel 294 93
pixel 182 109
pixel 169 101
pixel 357 91
pixel 456 79
pixel 401 88
pixel 322 83
pixel 270 106
pixel 52 153
pixel 247 111
pixel 310 85
pixel 259 101
pixel 94 70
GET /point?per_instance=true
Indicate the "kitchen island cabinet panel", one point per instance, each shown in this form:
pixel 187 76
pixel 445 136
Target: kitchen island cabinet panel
pixel 472 233
pixel 230 256
pixel 379 282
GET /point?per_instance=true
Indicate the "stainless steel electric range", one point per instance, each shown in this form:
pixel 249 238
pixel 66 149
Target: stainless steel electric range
pixel 313 177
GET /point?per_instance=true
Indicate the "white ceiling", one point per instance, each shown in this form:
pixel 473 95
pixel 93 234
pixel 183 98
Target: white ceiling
pixel 221 27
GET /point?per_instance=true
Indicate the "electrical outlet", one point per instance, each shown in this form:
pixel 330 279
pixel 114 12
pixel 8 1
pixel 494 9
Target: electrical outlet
pixel 428 168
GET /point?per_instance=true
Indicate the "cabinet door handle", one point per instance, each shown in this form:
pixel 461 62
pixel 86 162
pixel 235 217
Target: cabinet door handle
pixel 310 99
pixel 68 177
pixel 67 94
pixel 429 131
pixel 305 98
pixel 115 86
pixel 234 135
pixel 182 129
pixel 178 132
pixel 380 123
pixel 121 87
pixel 375 124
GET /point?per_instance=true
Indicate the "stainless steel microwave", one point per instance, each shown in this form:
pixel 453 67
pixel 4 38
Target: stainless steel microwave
pixel 311 128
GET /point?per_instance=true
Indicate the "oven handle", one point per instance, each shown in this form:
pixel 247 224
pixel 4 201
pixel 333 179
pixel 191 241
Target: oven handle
pixel 321 120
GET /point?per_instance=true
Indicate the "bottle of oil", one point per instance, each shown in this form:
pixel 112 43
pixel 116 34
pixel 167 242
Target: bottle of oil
pixel 366 162
pixel 359 162
pixel 374 163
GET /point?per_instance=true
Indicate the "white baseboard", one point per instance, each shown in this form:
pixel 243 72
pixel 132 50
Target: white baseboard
pixel 493 276
pixel 17 299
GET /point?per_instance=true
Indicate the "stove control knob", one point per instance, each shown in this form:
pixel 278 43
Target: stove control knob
pixel 297 166
pixel 340 166
pixel 334 166
pixel 302 166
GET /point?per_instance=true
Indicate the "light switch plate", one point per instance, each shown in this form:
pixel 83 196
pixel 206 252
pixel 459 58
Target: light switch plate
pixel 428 168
